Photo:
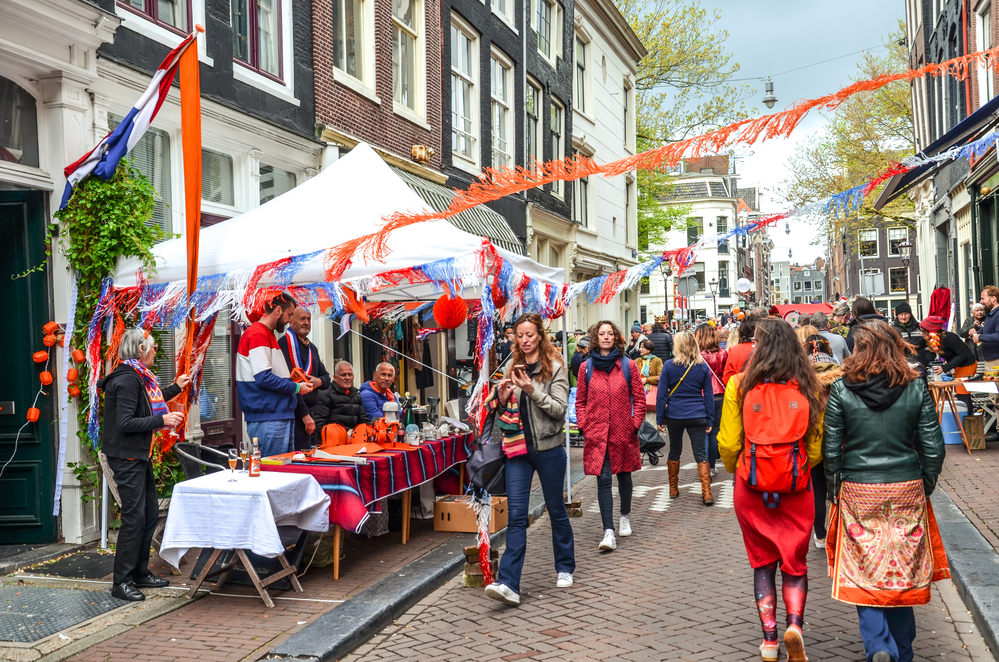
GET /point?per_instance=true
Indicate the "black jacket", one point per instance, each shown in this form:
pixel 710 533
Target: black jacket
pixel 853 325
pixel 875 433
pixel 955 352
pixel 335 406
pixel 664 344
pixel 128 415
pixel 306 403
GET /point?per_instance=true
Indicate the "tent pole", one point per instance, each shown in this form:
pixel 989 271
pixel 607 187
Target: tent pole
pixel 565 425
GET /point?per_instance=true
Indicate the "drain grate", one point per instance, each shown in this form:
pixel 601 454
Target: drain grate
pixel 30 613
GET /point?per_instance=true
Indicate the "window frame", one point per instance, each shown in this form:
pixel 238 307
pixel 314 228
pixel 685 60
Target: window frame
pixel 905 235
pixel 254 37
pixel 580 199
pixel 554 36
pixel 366 77
pixel 419 112
pixel 983 26
pixel 153 16
pixel 692 222
pixel 581 78
pixel 260 176
pixel 722 222
pixel 211 205
pixel 499 61
pixel 556 118
pixel 861 241
pixel 891 277
pixel 533 126
pixel 506 17
pixel 471 163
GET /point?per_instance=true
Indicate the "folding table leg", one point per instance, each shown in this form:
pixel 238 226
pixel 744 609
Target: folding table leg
pixel 407 510
pixel 204 573
pixel 252 574
pixel 336 552
pixel 957 419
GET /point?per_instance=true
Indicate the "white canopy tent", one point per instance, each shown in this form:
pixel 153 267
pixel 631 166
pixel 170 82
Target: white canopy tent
pixel 346 200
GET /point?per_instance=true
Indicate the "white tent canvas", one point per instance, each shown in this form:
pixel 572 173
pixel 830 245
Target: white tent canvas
pixel 346 200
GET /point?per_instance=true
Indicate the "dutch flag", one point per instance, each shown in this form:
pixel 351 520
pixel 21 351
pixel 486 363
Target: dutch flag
pixel 103 159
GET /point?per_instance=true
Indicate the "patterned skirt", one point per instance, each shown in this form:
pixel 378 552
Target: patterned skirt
pixel 884 547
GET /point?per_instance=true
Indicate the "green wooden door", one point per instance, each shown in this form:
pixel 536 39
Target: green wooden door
pixel 27 482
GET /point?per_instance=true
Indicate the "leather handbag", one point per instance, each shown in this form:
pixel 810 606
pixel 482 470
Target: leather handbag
pixel 487 465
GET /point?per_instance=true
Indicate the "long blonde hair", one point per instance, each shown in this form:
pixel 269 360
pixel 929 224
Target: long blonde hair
pixel 685 349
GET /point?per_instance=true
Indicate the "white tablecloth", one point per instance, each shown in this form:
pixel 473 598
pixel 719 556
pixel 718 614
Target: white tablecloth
pixel 211 512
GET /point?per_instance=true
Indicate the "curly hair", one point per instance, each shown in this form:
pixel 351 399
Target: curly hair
pixel 595 331
pixel 547 354
pixel 878 349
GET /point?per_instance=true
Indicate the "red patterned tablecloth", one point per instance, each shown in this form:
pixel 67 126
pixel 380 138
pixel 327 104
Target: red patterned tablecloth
pixel 353 489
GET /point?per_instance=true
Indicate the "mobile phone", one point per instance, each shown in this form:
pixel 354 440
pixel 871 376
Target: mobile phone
pixel 520 366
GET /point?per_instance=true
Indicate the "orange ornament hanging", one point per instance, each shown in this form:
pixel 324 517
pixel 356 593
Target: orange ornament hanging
pixel 49 340
pixel 450 312
pixel 78 356
pixel 40 356
pixel 45 377
pixel 50 327
pixel 74 390
pixel 33 414
pixel 72 375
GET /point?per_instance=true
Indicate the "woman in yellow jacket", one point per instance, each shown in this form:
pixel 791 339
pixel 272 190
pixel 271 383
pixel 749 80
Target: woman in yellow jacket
pixel 779 533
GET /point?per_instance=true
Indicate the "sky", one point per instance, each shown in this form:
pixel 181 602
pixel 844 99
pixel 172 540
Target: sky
pixel 773 36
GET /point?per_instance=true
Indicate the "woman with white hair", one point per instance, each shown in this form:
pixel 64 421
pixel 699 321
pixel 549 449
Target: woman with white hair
pixel 134 407
pixel 974 321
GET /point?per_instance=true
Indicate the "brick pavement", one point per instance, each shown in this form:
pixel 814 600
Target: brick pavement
pixel 970 480
pixel 679 588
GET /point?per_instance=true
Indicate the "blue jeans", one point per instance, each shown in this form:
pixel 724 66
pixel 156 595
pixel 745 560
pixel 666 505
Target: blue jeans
pixel 550 465
pixel 274 437
pixel 605 498
pixel 890 629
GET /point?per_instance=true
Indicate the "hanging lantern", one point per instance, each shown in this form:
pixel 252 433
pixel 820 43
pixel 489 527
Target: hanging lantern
pixel 78 356
pixel 450 312
pixel 45 377
pixel 74 390
pixel 49 340
pixel 50 327
pixel 33 414
pixel 72 375
pixel 40 356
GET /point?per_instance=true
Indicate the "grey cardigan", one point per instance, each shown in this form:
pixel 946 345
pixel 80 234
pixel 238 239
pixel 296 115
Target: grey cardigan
pixel 546 407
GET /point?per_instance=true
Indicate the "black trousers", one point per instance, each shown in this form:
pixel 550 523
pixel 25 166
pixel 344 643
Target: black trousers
pixel 303 440
pixel 695 429
pixel 139 513
pixel 819 489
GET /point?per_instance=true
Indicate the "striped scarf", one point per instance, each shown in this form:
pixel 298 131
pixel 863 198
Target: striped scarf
pixel 152 385
pixel 509 423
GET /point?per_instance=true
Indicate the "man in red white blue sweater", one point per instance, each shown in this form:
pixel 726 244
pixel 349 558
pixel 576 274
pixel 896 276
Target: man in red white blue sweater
pixel 267 395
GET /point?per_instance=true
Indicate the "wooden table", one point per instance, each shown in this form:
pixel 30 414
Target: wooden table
pixel 943 392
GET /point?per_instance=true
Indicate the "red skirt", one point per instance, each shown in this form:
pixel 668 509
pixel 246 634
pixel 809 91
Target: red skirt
pixel 780 534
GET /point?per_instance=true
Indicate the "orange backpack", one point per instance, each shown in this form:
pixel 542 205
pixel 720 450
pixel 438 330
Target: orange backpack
pixel 775 420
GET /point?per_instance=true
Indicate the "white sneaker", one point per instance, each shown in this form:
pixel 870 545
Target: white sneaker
pixel 564 580
pixel 820 543
pixel 624 530
pixel 502 593
pixel 714 472
pixel 608 543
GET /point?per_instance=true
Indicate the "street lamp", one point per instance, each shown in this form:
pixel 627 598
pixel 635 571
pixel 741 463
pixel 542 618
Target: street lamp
pixel 666 269
pixel 787 227
pixel 905 252
pixel 713 284
pixel 769 100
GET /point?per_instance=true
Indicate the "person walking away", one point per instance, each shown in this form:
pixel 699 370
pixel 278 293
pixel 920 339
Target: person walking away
pixel 952 351
pixel 988 337
pixel 771 434
pixel 662 339
pixel 582 353
pixel 883 451
pixel 341 403
pixel 738 356
pixel 715 358
pixel 263 380
pixel 686 404
pixel 649 367
pixel 378 391
pixel 529 406
pixel 610 407
pixel 840 320
pixel 827 371
pixel 863 310
pixel 837 343
pixel 302 354
pixel 974 321
pixel 135 407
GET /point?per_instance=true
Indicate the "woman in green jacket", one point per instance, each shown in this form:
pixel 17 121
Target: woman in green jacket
pixel 883 451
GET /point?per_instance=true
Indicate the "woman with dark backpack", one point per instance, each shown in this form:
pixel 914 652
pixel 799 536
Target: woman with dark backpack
pixel 883 451
pixel 770 437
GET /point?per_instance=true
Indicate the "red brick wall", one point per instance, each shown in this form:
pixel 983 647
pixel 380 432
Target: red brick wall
pixel 341 108
pixel 973 46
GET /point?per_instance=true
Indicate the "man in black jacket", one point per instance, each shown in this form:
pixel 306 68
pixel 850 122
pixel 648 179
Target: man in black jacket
pixel 661 338
pixel 126 440
pixel 300 353
pixel 341 402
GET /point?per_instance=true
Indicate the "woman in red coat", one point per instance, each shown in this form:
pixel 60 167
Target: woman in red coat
pixel 609 416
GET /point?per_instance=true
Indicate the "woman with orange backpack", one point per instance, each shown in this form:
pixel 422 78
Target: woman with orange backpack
pixel 770 437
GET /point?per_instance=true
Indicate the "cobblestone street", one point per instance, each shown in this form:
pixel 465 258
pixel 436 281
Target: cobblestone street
pixel 679 588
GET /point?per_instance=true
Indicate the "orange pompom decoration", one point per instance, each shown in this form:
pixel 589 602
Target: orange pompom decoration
pixel 74 390
pixel 40 356
pixel 72 375
pixel 33 414
pixel 62 339
pixel 50 327
pixel 450 312
pixel 78 356
pixel 49 340
pixel 45 377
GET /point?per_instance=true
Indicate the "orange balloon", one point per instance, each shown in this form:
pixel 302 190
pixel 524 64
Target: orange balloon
pixel 40 356
pixel 72 375
pixel 74 390
pixel 45 377
pixel 78 356
pixel 33 414
pixel 49 340
pixel 735 310
pixel 741 316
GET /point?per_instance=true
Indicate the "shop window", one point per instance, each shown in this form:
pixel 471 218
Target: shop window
pixel 256 34
pixel 274 182
pixel 18 125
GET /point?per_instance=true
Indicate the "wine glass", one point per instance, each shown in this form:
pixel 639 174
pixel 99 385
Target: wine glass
pixel 244 455
pixel 233 456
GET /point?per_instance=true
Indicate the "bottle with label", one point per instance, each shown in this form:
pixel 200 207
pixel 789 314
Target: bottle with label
pixel 255 459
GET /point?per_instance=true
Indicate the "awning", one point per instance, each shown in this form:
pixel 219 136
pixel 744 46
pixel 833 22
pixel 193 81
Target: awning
pixel 783 310
pixel 964 132
pixel 480 220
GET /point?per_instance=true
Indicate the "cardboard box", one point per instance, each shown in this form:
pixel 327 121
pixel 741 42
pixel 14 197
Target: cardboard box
pixel 452 513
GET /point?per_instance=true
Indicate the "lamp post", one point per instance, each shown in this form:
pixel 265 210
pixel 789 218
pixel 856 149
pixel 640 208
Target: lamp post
pixel 905 253
pixel 769 100
pixel 713 284
pixel 666 270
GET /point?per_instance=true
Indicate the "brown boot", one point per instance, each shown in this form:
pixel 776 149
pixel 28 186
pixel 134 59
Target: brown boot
pixel 674 478
pixel 704 473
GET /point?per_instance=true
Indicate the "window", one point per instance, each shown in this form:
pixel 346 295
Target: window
pixel 580 195
pixel 818 286
pixel 627 131
pixel 502 98
pixel 695 228
pixel 868 243
pixel 171 14
pixel 405 31
pixel 348 37
pixel 274 182
pixel 580 91
pixel 896 279
pixel 151 155
pixel 895 236
pixel 558 151
pixel 533 104
pixel 216 390
pixel 723 290
pixel 256 35
pixel 722 223
pixel 504 8
pixel 699 275
pixel 463 97
pixel 808 285
pixel 543 26
pixel 983 30
pixel 216 178
pixel 18 125
pixel 627 212
pixel 797 286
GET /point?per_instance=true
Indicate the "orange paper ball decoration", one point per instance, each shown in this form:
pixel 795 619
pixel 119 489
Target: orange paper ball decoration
pixel 50 327
pixel 78 355
pixel 72 375
pixel 450 312
pixel 735 310
pixel 742 316
pixel 74 390
pixel 45 377
pixel 40 356
pixel 49 340
pixel 33 414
